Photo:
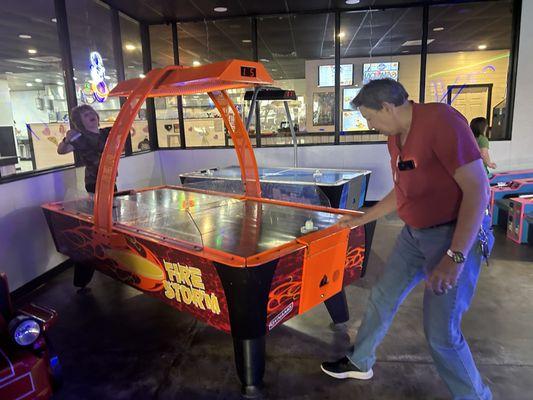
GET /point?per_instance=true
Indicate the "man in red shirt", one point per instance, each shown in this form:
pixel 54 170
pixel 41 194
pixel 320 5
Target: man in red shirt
pixel 441 193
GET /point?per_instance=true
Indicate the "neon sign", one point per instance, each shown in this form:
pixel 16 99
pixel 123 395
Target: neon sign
pixel 95 89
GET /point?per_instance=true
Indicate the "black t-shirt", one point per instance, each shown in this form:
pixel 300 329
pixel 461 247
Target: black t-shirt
pixel 89 147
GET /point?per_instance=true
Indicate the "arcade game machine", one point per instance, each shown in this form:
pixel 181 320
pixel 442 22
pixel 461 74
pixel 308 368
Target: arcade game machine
pixel 241 263
pixel 500 198
pixel 508 176
pixel 520 218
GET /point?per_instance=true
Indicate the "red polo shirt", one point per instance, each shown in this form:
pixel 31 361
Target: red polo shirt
pixel 439 142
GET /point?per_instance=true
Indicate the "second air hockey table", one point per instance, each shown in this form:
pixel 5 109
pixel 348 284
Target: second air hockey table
pixel 241 263
pixel 338 188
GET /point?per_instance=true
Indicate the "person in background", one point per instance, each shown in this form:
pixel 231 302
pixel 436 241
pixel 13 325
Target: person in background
pixel 88 140
pixel 441 193
pixel 479 128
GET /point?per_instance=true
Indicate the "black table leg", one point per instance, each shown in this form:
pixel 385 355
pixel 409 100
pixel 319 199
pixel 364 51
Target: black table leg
pixel 338 308
pixel 82 274
pixel 250 362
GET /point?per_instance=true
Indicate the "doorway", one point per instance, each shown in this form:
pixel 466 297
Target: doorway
pixel 471 100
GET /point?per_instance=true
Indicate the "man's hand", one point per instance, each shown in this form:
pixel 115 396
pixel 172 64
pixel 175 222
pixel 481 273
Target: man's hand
pixel 445 276
pixel 349 221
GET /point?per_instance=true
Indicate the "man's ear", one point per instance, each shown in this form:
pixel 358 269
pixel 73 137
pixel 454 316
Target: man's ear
pixel 388 107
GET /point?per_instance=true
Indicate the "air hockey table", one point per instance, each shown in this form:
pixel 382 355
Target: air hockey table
pixel 241 263
pixel 337 188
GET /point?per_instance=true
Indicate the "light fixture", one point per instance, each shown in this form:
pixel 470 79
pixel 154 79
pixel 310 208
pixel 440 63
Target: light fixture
pixel 438 29
pixel 274 69
pixel 405 51
pixel 142 75
pixel 130 47
pixel 220 9
pixel 196 63
pixel 131 66
pixel 38 80
pixel 9 73
pixel 29 84
pixel 107 77
pixel 59 83
pixel 24 36
pixel 482 46
pixel 75 78
pixel 341 34
pixel 24 330
pixel 351 2
pixel 32 51
pixel 54 20
pixel 246 41
pixel 264 60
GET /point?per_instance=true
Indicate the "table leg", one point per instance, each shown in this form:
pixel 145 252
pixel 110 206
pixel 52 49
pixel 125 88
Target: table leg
pixel 250 362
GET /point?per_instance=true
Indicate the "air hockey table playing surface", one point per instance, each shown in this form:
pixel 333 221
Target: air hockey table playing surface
pixel 339 188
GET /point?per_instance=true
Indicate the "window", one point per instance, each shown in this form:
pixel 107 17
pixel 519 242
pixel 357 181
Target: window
pixel 379 44
pixel 292 47
pixel 133 68
pixel 33 110
pixel 166 108
pixel 468 60
pixel 205 43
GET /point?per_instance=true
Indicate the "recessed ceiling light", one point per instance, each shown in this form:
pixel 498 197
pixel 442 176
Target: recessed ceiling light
pixel 482 46
pixel 107 77
pixel 75 78
pixel 341 34
pixel 29 84
pixel 59 83
pixel 24 36
pixel 350 2
pixel 196 63
pixel 220 9
pixel 142 76
pixel 130 47
pixel 246 41
pixel 274 69
pixel 32 51
pixel 405 51
pixel 264 60
pixel 54 20
pixel 131 66
pixel 438 29
pixel 38 80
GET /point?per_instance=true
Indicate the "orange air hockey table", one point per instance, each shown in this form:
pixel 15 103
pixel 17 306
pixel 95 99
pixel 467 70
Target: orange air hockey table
pixel 240 263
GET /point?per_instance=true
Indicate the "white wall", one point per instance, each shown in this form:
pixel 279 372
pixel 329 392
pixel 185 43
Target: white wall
pixel 6 112
pixel 26 246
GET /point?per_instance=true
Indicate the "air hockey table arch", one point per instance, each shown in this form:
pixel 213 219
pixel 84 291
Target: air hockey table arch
pixel 240 263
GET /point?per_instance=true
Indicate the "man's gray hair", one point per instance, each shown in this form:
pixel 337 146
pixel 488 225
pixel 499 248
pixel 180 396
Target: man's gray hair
pixel 380 91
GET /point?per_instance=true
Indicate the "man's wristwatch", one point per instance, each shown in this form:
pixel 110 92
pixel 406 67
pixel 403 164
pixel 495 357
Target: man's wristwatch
pixel 456 256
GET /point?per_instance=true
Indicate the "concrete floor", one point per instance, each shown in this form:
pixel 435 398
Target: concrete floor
pixel 115 343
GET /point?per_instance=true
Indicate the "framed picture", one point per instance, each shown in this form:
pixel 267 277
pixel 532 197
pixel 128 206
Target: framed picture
pixel 352 120
pixel 348 94
pixel 323 106
pixel 382 70
pixel 326 75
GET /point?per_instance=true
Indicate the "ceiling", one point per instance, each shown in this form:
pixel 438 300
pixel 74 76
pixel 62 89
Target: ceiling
pixel 284 41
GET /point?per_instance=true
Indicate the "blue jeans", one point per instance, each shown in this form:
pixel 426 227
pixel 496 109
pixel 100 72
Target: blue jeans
pixel 417 252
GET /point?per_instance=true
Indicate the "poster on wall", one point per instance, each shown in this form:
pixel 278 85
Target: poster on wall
pixel 323 104
pixel 348 95
pixel 352 120
pixel 326 75
pixel 372 71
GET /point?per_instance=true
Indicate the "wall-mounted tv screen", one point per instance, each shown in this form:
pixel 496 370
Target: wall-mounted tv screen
pixel 326 75
pixel 382 70
pixel 352 120
pixel 348 95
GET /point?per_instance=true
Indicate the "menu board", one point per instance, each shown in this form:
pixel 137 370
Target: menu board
pixel 352 120
pixel 372 71
pixel 348 95
pixel 326 75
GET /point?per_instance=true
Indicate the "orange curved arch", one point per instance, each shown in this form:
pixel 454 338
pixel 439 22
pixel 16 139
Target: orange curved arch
pixel 107 172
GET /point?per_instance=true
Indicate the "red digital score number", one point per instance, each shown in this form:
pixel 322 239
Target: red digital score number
pixel 248 72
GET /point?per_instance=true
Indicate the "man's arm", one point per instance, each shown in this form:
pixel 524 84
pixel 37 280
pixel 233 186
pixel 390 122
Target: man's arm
pixel 384 207
pixel 473 182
